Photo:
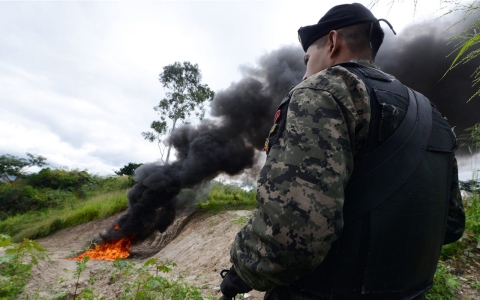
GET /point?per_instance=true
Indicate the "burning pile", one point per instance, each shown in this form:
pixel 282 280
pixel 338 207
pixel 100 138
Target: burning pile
pixel 110 250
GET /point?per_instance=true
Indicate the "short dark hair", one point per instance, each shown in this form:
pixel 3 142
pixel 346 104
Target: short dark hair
pixel 357 38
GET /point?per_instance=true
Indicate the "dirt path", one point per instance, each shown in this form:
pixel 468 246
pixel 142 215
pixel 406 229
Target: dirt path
pixel 200 250
pixel 198 243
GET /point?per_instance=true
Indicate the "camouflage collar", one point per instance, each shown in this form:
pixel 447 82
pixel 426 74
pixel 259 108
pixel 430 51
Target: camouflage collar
pixel 365 62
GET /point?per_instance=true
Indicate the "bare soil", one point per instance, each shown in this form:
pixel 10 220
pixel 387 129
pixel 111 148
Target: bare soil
pixel 467 269
pixel 198 243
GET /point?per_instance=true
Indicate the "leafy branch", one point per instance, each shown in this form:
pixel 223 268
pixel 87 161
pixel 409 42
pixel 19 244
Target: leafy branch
pixel 14 167
pixel 466 40
pixel 16 264
pixel 81 265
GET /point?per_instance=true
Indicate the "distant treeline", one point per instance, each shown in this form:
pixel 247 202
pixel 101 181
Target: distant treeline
pixel 21 192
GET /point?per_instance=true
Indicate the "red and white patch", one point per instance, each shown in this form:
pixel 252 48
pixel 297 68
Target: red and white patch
pixel 277 115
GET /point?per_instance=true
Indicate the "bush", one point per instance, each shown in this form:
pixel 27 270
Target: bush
pixel 228 197
pixel 36 224
pixel 55 188
pixel 59 179
pixel 109 183
pixel 18 197
pixel 445 284
pixel 16 264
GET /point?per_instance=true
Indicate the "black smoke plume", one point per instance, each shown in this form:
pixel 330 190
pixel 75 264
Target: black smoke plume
pixel 245 114
pixel 245 110
pixel 418 58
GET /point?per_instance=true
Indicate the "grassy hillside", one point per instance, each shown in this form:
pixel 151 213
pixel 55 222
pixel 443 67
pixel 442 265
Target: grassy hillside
pixel 35 210
pixel 227 197
pixel 41 223
pixel 99 198
pixel 458 271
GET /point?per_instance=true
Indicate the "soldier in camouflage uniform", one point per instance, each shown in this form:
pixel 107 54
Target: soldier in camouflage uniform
pixel 322 128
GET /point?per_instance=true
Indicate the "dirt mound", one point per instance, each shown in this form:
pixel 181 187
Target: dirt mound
pixel 198 243
pixel 202 249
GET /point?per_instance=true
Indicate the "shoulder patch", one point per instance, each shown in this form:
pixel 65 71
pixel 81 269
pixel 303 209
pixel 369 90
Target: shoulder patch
pixel 279 122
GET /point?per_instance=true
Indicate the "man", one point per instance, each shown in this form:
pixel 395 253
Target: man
pixel 360 188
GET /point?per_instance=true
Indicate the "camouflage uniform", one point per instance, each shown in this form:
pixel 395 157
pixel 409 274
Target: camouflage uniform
pixel 456 212
pixel 323 122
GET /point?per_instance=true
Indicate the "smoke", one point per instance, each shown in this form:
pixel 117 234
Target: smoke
pixel 418 58
pixel 244 114
pixel 247 107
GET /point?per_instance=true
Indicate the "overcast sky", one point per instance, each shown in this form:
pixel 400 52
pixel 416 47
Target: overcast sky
pixel 78 80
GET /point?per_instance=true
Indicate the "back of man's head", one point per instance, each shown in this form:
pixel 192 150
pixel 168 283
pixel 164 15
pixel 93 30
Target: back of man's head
pixel 354 22
pixel 359 39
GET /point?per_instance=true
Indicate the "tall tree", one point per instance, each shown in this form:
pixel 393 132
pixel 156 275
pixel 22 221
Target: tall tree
pixel 185 96
pixel 13 167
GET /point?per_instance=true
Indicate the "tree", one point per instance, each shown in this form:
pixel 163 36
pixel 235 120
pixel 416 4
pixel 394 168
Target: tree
pixel 128 170
pixel 14 167
pixel 185 95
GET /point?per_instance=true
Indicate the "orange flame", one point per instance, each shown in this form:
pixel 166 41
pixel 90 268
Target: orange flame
pixel 116 227
pixel 108 251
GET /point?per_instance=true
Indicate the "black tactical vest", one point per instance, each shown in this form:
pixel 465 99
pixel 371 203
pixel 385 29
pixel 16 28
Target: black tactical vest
pixel 396 200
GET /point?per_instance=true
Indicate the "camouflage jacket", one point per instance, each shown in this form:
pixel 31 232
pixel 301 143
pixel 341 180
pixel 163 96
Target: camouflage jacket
pixel 301 186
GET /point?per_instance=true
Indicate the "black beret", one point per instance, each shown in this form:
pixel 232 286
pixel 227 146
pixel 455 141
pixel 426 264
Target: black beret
pixel 339 16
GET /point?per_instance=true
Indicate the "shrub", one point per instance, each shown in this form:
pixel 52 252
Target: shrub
pixel 227 196
pixel 59 179
pixel 55 188
pixel 16 264
pixel 110 183
pixel 445 284
pixel 36 224
pixel 18 197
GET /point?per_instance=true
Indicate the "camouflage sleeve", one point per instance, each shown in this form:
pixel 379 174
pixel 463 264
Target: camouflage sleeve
pixel 456 213
pixel 300 195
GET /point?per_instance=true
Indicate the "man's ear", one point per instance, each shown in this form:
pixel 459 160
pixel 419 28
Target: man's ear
pixel 334 43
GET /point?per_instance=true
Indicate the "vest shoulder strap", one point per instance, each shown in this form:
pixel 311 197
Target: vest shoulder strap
pixel 377 176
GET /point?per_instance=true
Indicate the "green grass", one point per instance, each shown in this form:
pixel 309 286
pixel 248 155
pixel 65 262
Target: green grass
pixel 105 199
pixel 240 220
pixel 42 223
pixel 472 212
pixel 26 195
pixel 445 284
pixel 471 235
pixel 16 264
pixel 224 197
pixel 457 255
